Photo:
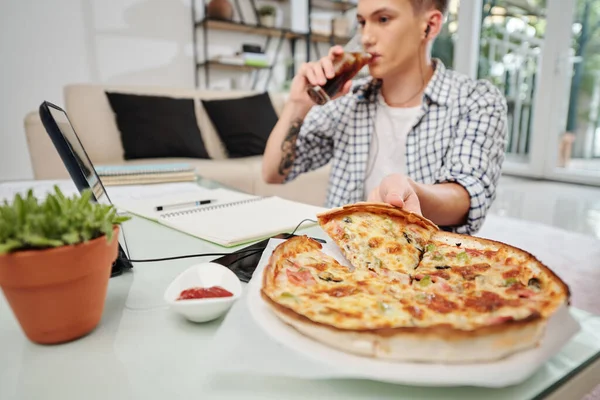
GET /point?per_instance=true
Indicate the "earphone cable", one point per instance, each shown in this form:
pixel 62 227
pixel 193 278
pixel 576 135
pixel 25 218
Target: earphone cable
pixel 241 251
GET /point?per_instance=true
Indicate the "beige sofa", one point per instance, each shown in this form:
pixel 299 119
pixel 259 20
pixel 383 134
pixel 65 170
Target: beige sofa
pixel 92 117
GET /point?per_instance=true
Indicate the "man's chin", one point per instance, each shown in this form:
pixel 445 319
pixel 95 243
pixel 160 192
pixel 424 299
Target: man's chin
pixel 376 71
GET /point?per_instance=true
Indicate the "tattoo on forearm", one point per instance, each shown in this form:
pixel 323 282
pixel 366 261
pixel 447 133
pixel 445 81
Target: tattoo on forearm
pixel 288 148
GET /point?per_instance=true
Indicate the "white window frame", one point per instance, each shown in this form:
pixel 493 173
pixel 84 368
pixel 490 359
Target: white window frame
pixel 548 115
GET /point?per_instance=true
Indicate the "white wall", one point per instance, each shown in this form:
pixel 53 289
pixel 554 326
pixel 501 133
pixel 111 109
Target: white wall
pixel 47 44
pixel 39 54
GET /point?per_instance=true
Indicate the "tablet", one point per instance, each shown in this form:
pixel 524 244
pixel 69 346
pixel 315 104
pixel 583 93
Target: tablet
pixel 78 164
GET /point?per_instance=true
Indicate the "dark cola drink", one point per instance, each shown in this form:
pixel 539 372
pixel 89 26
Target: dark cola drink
pixel 345 68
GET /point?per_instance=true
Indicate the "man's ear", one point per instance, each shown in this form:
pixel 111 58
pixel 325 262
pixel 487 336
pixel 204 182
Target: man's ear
pixel 434 20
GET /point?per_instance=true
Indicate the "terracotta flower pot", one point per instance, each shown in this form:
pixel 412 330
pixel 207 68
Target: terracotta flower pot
pixel 58 295
pixel 220 9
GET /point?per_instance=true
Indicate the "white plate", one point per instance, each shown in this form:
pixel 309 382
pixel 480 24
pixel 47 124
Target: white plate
pixel 203 275
pixel 509 371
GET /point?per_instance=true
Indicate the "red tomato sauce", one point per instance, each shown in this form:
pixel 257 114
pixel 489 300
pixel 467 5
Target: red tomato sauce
pixel 204 293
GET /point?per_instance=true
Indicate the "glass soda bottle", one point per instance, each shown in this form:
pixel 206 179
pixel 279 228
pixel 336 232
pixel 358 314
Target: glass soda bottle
pixel 346 67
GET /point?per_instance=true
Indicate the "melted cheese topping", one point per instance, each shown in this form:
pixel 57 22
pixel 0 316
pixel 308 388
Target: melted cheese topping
pixel 378 242
pixel 402 279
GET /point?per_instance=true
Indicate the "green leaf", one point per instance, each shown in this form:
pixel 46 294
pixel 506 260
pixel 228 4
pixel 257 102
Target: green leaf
pixel 58 193
pixel 85 198
pixel 8 246
pixel 19 206
pixel 40 242
pixel 71 238
pixel 107 228
pixel 53 205
pixel 120 219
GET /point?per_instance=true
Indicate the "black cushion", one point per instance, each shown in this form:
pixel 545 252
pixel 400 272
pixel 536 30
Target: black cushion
pixel 243 124
pixel 157 127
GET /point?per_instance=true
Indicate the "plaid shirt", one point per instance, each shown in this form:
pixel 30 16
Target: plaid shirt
pixel 459 136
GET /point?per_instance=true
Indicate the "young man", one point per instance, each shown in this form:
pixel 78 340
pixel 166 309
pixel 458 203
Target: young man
pixel 413 134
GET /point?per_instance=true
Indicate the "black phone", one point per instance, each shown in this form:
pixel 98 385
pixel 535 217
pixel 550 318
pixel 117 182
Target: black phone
pixel 244 261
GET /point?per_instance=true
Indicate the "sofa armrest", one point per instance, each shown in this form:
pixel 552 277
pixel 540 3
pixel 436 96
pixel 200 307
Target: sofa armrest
pixel 45 160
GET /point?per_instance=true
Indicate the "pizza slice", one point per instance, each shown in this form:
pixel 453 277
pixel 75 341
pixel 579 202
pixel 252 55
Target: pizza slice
pixel 490 277
pixel 378 237
pixel 302 284
pixel 300 277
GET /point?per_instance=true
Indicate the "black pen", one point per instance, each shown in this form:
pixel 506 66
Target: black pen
pixel 184 205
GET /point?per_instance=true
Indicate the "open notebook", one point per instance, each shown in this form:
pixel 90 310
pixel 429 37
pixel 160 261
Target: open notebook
pixel 231 219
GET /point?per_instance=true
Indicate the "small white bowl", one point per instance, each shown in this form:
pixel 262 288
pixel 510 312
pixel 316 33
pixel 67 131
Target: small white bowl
pixel 203 275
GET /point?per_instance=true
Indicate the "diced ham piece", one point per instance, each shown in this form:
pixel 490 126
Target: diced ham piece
pixel 337 229
pixel 525 293
pixel 394 275
pixel 300 278
pixel 473 252
pixel 443 285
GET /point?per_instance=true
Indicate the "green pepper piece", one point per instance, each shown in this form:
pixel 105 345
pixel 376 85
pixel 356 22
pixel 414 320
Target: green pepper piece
pixel 426 281
pixel 288 296
pixel 421 297
pixel 511 281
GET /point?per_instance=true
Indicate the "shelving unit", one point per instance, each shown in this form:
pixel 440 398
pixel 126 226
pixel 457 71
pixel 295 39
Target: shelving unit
pixel 270 33
pixel 316 38
pixel 233 26
pixel 231 67
pixel 320 38
pixel 331 5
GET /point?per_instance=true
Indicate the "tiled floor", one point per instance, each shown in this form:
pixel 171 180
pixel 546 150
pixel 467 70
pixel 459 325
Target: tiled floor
pixel 567 206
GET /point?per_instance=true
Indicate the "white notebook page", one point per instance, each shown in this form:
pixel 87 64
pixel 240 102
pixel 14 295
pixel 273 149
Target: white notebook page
pixel 244 221
pixel 145 206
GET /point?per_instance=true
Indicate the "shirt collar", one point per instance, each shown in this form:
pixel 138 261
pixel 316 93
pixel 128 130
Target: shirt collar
pixel 434 92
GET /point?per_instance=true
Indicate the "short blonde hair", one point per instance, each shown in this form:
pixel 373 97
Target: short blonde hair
pixel 421 5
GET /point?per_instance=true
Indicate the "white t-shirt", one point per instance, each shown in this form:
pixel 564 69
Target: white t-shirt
pixel 387 152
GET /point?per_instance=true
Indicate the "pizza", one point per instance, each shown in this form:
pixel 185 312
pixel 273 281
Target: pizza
pixel 412 292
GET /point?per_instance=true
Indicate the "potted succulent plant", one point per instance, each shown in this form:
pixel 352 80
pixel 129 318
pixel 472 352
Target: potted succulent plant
pixel 267 15
pixel 56 257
